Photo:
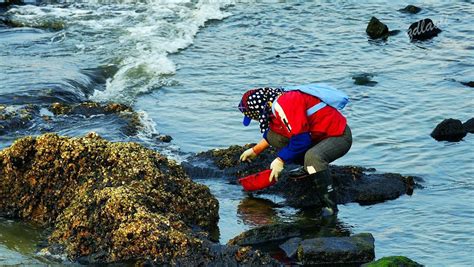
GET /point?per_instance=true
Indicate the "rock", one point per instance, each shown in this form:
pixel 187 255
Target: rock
pixel 376 29
pixel 15 117
pixel 111 202
pixel 290 247
pixel 356 249
pixel 264 234
pixel 395 261
pixel 364 79
pixel 165 138
pixel 449 130
pixel 470 84
pixel 352 184
pixel 423 30
pixel 410 9
pixel 469 125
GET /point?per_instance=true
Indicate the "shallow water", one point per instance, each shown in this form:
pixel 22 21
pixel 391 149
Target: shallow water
pixel 185 66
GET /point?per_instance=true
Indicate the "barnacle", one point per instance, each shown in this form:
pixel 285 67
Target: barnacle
pixel 108 201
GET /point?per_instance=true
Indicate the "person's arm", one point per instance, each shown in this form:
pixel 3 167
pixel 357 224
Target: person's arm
pixel 253 152
pixel 292 112
pixel 297 146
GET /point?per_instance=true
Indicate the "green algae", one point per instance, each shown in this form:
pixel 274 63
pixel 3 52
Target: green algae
pixel 393 261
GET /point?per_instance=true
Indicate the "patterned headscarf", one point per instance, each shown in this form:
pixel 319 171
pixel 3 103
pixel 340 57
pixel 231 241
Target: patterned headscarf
pixel 256 105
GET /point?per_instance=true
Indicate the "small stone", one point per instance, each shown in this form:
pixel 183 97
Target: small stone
pixel 469 125
pixel 449 130
pixel 470 84
pixel 358 248
pixel 376 29
pixel 165 138
pixel 410 9
pixel 364 79
pixel 423 30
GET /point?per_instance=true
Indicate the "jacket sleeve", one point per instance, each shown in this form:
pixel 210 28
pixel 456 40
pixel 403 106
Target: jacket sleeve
pixel 297 146
pixel 290 108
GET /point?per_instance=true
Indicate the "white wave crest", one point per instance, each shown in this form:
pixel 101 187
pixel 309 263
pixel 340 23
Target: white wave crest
pixel 136 37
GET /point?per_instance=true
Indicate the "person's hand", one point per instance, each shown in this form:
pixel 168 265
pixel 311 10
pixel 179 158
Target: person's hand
pixel 276 166
pixel 248 155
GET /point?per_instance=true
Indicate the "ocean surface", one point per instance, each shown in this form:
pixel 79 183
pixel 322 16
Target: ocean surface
pixel 183 65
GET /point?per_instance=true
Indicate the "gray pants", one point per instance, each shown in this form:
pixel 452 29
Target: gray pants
pixel 318 157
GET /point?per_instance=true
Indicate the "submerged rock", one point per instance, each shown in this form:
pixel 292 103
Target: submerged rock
pixel 410 9
pixel 352 184
pixel 423 30
pixel 264 234
pixel 469 84
pixel 449 130
pixel 17 117
pixel 354 249
pixel 111 202
pixel 395 261
pixel 376 29
pixel 12 117
pixel 364 79
pixel 469 125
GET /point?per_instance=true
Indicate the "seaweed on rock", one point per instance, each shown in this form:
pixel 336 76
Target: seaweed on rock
pixel 106 201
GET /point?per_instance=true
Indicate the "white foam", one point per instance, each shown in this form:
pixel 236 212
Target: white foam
pixel 138 37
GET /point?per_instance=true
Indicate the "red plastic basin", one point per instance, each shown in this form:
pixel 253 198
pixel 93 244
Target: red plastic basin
pixel 257 181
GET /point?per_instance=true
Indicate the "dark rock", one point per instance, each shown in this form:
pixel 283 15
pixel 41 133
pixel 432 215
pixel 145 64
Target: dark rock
pixel 470 84
pixel 469 125
pixel 364 79
pixel 395 261
pixel 13 118
pixel 410 9
pixel 264 234
pixel 376 29
pixel 112 202
pixel 165 138
pixel 356 249
pixel 423 30
pixel 290 247
pixel 352 184
pixel 394 32
pixel 449 130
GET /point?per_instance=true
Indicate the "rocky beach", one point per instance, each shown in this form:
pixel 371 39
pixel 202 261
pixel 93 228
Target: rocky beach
pixel 120 135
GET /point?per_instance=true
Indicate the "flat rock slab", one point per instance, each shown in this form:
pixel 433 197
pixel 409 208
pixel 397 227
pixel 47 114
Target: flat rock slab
pixel 264 234
pixel 337 250
pixel 352 183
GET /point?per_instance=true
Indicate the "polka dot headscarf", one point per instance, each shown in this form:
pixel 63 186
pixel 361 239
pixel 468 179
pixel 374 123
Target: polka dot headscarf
pixel 255 104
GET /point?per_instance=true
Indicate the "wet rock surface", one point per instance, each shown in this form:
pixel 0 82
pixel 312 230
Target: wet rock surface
pixel 376 29
pixel 46 118
pixel 411 9
pixel 112 202
pixel 354 249
pixel 266 233
pixel 424 29
pixel 399 261
pixel 352 183
pixel 449 130
pixel 364 79
pixel 469 125
pixel 468 84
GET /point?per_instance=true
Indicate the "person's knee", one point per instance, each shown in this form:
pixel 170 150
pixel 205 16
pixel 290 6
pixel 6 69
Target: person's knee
pixel 314 163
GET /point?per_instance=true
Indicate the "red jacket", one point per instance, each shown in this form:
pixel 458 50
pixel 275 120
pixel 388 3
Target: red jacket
pixel 292 107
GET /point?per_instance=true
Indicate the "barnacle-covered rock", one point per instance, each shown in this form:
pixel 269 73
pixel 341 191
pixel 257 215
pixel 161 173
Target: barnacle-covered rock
pixel 106 202
pixel 352 183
